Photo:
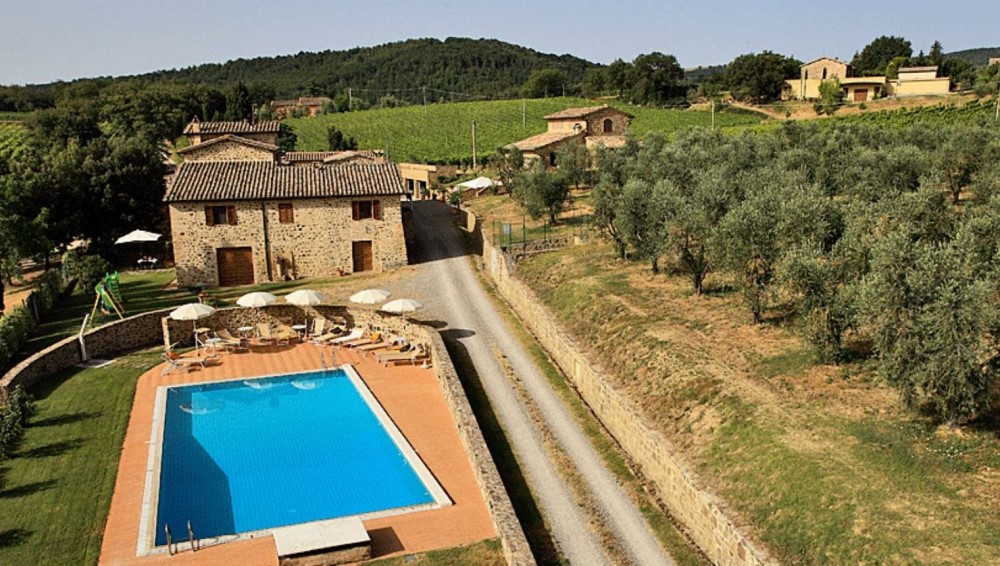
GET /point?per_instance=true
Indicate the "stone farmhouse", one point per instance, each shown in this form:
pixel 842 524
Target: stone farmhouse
pixel 593 126
pixel 263 131
pixel 309 106
pixel 911 81
pixel 242 212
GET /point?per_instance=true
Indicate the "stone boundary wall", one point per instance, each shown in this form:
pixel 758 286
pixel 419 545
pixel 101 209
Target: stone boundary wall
pixel 704 515
pixel 134 332
pixel 155 327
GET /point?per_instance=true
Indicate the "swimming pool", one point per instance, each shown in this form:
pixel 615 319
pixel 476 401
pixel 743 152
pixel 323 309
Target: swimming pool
pixel 249 455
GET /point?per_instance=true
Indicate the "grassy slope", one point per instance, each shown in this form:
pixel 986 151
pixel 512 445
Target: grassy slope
pixel 443 132
pixel 56 492
pixel 821 461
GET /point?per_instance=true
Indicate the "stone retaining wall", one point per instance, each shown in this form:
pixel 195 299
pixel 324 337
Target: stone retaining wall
pixel 152 328
pixel 703 515
pixel 138 331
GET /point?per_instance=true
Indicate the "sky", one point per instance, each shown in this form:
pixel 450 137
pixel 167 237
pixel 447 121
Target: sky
pixel 47 40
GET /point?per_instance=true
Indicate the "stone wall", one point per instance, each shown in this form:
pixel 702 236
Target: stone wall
pixel 593 125
pixel 139 331
pixel 316 244
pixel 704 516
pixel 148 329
pixel 228 151
pixel 262 137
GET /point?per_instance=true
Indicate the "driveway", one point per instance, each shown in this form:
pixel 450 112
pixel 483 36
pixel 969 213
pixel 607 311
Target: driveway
pixel 450 289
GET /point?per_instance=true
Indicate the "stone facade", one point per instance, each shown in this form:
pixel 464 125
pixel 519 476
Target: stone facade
pixel 604 122
pixel 201 137
pixel 705 517
pixel 318 242
pixel 228 151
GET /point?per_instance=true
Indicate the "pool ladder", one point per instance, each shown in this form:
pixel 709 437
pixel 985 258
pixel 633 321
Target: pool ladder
pixel 172 545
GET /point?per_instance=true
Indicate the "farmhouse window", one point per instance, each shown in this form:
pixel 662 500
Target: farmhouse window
pixel 215 215
pixel 609 126
pixel 286 214
pixel 364 209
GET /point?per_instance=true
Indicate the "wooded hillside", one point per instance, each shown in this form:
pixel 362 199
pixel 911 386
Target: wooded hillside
pixel 480 67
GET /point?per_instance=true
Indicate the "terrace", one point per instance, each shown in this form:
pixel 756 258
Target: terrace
pixel 413 399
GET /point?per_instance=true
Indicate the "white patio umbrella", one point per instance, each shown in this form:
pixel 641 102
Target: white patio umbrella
pixel 138 236
pixel 193 312
pixel 370 296
pixel 304 298
pixel 478 183
pixel 401 306
pixel 256 300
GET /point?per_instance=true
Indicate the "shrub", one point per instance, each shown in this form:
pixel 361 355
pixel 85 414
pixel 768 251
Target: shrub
pixel 90 270
pixel 50 285
pixel 15 326
pixel 22 405
pixel 10 432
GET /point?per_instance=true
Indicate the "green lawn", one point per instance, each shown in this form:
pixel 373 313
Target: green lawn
pixel 55 493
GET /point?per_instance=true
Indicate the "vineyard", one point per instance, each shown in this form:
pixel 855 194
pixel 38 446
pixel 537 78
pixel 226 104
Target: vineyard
pixel 11 139
pixel 975 111
pixel 442 133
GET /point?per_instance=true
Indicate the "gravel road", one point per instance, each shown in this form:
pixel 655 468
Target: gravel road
pixel 449 288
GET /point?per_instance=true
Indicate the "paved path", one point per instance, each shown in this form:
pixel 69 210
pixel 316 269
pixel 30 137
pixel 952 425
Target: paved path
pixel 448 282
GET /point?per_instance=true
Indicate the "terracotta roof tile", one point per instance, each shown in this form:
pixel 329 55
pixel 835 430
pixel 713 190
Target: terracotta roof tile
pixel 576 113
pixel 543 140
pixel 243 127
pixel 257 180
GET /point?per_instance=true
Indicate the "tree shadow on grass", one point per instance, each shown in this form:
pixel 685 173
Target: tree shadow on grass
pixel 539 538
pixel 68 418
pixel 43 388
pixel 27 489
pixel 53 449
pixel 14 537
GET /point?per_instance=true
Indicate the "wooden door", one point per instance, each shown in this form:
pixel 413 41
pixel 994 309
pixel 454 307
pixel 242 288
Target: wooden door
pixel 235 266
pixel 362 252
pixel 861 95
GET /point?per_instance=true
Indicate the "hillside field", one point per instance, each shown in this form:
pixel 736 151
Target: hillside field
pixel 442 133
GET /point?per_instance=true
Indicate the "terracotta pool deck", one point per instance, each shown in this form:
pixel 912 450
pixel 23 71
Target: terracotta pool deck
pixel 411 396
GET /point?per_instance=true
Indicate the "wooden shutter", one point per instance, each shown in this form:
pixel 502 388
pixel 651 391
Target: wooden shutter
pixel 209 219
pixel 355 210
pixel 231 215
pixel 286 213
pixel 377 209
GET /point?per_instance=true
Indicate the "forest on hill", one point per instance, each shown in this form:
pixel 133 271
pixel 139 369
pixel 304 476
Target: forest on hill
pixel 976 57
pixel 451 70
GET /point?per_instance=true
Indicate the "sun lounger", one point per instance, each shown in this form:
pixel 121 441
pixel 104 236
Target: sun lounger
pixel 230 342
pixel 410 357
pixel 284 334
pixel 175 361
pixel 318 329
pixel 332 333
pixel 372 338
pixel 395 344
pixel 352 335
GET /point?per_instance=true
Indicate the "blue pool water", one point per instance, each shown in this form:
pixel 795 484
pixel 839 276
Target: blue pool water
pixel 249 455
